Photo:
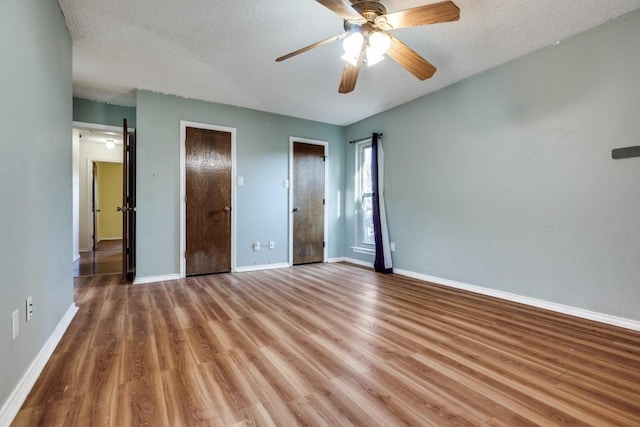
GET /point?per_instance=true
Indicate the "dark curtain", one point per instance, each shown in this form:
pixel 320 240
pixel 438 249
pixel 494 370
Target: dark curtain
pixel 382 263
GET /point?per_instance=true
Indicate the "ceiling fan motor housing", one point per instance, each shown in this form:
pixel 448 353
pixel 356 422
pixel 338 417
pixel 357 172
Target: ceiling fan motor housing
pixel 369 10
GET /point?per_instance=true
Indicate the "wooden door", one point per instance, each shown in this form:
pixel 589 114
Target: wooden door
pixel 208 201
pixel 128 207
pixel 308 202
pixel 94 205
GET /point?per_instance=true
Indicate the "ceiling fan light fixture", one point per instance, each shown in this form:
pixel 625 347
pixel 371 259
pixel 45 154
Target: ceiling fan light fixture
pixel 353 43
pixel 353 60
pixel 380 42
pixel 352 46
pixel 365 37
pixel 373 56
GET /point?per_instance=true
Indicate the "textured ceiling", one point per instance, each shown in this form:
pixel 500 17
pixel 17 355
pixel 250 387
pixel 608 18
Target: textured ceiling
pixel 99 137
pixel 224 51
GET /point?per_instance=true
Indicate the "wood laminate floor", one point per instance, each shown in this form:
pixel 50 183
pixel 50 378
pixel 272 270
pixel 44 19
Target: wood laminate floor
pixel 106 259
pixel 328 345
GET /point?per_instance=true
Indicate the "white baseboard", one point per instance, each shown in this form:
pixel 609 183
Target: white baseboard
pixel 109 238
pixel 534 302
pixel 338 259
pixel 261 267
pixel 24 386
pixel 359 262
pixel 153 279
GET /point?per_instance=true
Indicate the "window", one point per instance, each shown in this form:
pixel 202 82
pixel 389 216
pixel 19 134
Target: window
pixel 364 199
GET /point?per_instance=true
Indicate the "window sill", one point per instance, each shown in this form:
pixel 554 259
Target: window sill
pixel 361 250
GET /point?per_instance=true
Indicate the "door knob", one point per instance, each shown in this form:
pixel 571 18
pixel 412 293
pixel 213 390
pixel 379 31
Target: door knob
pixel 295 209
pixel 227 209
pixel 121 209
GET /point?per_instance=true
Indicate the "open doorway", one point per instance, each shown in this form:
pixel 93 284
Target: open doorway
pixel 97 184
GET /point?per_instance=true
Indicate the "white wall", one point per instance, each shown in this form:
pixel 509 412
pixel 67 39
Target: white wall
pixel 90 151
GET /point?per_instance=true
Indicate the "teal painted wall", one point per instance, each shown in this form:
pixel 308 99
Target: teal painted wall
pixel 505 180
pixel 262 159
pixel 35 179
pixel 87 111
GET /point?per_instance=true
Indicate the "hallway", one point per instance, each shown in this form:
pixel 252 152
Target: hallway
pixel 106 259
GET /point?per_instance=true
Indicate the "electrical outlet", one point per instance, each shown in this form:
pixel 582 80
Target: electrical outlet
pixel 15 324
pixel 392 246
pixel 256 246
pixel 272 244
pixel 29 308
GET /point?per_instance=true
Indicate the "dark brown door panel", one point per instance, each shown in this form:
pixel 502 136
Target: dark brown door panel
pixel 308 202
pixel 208 203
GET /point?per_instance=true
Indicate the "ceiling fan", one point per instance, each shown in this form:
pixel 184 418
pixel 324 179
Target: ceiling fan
pixel 366 39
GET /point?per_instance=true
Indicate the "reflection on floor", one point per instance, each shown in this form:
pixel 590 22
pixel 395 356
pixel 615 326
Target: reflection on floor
pixel 106 259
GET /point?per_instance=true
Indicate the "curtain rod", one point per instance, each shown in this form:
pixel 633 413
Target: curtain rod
pixel 364 139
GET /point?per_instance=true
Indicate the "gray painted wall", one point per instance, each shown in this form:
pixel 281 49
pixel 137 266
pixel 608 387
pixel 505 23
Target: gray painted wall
pixel 262 159
pixel 505 180
pixel 87 111
pixel 35 179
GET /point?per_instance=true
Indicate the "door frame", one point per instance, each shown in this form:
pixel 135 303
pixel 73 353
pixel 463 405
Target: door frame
pixel 184 124
pixel 90 162
pixel 103 128
pixel 325 144
pixel 95 196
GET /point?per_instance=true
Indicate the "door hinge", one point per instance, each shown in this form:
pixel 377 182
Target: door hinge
pixel 323 244
pixel 324 201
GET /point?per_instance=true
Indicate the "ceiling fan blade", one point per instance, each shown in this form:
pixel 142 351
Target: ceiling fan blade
pixel 349 78
pixel 312 46
pixel 445 11
pixel 410 60
pixel 350 74
pixel 344 10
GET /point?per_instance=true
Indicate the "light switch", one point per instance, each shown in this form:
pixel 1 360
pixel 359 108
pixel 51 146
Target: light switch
pixel 285 183
pixel 240 181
